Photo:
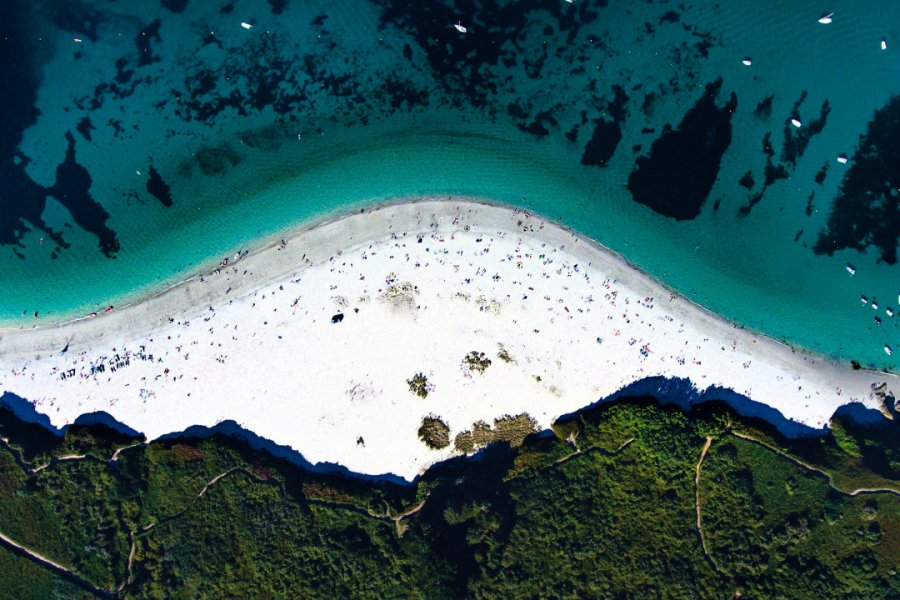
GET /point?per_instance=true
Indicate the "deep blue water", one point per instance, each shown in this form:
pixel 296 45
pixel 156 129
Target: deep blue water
pixel 170 135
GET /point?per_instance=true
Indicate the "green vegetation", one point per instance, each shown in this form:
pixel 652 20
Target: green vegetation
pixel 626 500
pixel 434 433
pixel 844 440
pixel 21 579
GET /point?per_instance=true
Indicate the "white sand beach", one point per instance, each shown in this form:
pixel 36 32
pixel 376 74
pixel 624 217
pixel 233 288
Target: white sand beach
pixel 420 285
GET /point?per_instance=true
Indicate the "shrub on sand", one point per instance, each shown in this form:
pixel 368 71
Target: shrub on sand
pixel 512 430
pixel 419 385
pixel 434 433
pixel 476 361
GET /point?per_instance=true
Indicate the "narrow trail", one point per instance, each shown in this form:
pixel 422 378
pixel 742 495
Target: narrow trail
pixel 131 552
pixel 815 469
pixel 394 520
pixel 45 562
pixel 709 441
pixel 397 519
pixel 386 517
pixel 58 459
pixel 55 567
pixel 31 469
pixel 115 455
pixel 17 455
pixel 579 452
pixel 216 479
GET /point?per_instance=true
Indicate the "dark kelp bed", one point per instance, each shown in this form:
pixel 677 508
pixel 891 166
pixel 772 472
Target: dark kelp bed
pixel 628 499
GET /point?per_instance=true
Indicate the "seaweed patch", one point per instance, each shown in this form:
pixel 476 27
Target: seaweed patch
pixel 158 188
pixel 72 190
pixel 678 175
pixel 143 40
pixel 865 211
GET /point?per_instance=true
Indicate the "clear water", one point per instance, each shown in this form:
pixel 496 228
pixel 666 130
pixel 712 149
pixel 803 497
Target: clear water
pixel 314 124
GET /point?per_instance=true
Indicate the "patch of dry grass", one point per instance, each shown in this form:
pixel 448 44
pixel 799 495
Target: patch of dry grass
pixel 512 430
pixel 434 433
pixel 400 296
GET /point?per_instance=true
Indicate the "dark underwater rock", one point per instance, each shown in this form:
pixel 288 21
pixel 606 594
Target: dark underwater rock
pixel 678 175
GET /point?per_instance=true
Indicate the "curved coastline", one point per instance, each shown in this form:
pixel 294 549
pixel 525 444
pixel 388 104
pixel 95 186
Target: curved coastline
pixel 309 249
pixel 271 241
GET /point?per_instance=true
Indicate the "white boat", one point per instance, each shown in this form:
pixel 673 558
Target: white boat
pixel 889 312
pixel 459 27
pixel 842 158
pixel 796 123
pixel 826 19
pixel 877 321
pixel 888 350
pixel 883 44
pixel 863 299
pixel 246 25
pixel 747 61
pixel 874 305
pixel 852 270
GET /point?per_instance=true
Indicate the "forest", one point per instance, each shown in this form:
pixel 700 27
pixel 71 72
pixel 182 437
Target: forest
pixel 627 499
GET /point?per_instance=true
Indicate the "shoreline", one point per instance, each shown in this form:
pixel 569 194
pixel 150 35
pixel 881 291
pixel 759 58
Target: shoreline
pixel 271 241
pixel 623 326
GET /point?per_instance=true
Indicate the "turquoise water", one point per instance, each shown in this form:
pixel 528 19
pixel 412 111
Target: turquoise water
pixel 220 125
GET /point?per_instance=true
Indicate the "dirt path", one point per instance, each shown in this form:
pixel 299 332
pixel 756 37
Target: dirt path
pixel 115 455
pixel 54 567
pixel 395 520
pixel 31 469
pixel 131 551
pixel 697 504
pixel 58 459
pixel 576 453
pixel 810 467
pixel 20 460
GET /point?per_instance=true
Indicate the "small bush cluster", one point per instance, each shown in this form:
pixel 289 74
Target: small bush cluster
pixel 419 385
pixel 512 430
pixel 503 355
pixel 434 433
pixel 476 361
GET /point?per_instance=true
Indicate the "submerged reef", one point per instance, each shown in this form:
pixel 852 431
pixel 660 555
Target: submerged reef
pixel 683 164
pixel 865 212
